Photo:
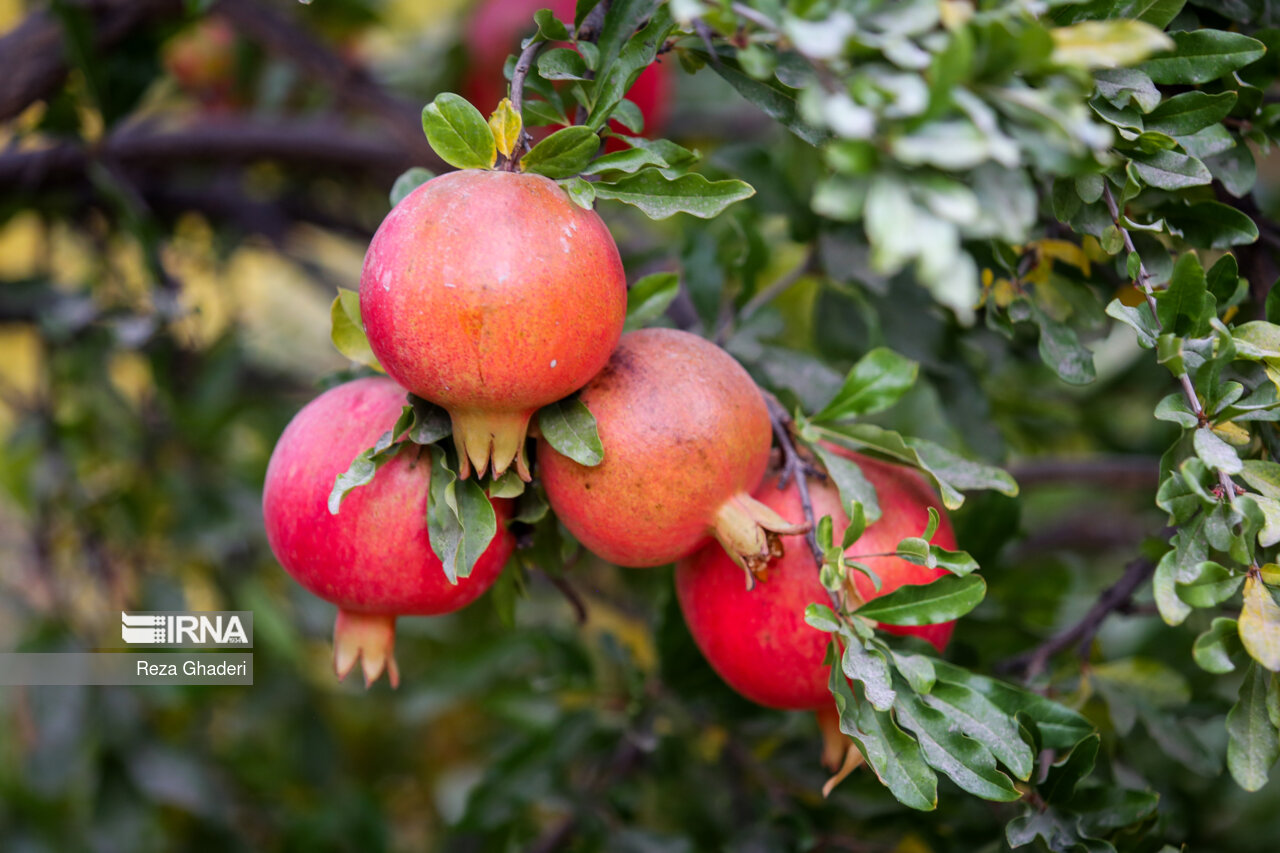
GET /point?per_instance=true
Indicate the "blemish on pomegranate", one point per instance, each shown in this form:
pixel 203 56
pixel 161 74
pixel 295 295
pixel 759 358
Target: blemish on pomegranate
pixel 553 362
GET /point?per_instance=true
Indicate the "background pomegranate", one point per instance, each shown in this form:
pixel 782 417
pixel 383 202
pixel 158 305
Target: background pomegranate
pixel 494 31
pixel 492 294
pixel 757 640
pixel 373 559
pixel 686 436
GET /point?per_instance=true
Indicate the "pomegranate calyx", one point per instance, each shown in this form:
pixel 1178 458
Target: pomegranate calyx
pixel 491 438
pixel 750 534
pixel 369 638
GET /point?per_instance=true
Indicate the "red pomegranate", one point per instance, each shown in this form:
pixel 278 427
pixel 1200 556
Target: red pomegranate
pixel 492 294
pixel 686 436
pixel 494 32
pixel 757 640
pixel 373 559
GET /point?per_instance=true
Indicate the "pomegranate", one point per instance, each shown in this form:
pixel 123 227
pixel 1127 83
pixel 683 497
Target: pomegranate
pixel 492 294
pixel 757 640
pixel 686 436
pixel 373 559
pixel 494 31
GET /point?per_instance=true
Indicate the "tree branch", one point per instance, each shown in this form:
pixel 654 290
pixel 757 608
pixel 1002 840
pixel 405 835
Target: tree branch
pixel 523 66
pixel 1127 472
pixel 1114 598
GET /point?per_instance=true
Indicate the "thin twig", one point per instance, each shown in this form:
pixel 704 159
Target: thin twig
pixel 1113 599
pixel 704 32
pixel 561 583
pixel 523 66
pixel 1143 281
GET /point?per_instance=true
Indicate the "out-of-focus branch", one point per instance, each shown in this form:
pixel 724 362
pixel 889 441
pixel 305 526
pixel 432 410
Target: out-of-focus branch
pixel 32 53
pixel 1126 472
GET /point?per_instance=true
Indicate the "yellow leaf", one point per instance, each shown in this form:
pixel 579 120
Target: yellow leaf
pixel 1270 574
pixel 1065 251
pixel 1107 44
pixel 1232 433
pixel 506 125
pixel 1260 624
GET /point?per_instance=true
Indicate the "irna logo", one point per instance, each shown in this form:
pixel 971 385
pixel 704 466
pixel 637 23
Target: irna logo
pixel 188 630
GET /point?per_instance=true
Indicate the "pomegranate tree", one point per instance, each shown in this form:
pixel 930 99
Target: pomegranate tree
pixel 686 437
pixel 758 640
pixel 373 558
pixel 492 294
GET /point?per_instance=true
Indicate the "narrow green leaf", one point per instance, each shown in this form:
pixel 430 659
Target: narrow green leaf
pixel 1252 743
pixel 875 383
pixel 458 133
pixel 1059 726
pixel 1203 55
pixel 976 716
pixel 853 486
pixel 1063 776
pixel 939 601
pixel 1171 170
pixel 1213 225
pixel 562 154
pixel 649 298
pixel 570 428
pixel 626 161
pixel 966 761
pixel 1189 112
pixel 659 197
pixel 1214 648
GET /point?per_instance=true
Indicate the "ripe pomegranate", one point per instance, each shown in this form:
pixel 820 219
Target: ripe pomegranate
pixel 494 31
pixel 686 436
pixel 492 294
pixel 373 559
pixel 757 640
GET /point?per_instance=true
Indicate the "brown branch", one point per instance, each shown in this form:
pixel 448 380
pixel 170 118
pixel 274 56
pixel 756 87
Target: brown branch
pixel 1126 472
pixel 521 72
pixel 32 54
pixel 561 583
pixel 1114 598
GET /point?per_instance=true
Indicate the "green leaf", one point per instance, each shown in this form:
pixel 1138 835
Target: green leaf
pixel 1213 225
pixel 550 28
pixel 1216 453
pixel 1059 726
pixel 1259 624
pixel 1213 585
pixel 430 422
pixel 570 428
pixel 1257 340
pixel 1203 55
pixel 1189 112
pixel 1122 85
pixel 1252 743
pixel 1107 44
pixel 1061 350
pixel 460 520
pixel 1170 170
pixel 917 670
pixel 966 761
pixel 875 383
pixel 976 716
pixel 957 562
pixel 582 193
pixel 892 754
pixel 458 133
pixel 361 472
pixel 823 618
pixel 563 154
pixel 1063 776
pixel 626 161
pixel 649 298
pixel 1181 305
pixel 562 63
pixel 1214 648
pixel 623 19
pixel 509 485
pixel 659 197
pixel 1137 318
pixel 852 533
pixel 853 486
pixel 771 97
pixel 347 329
pixel 939 601
pixel 869 668
pixel 409 180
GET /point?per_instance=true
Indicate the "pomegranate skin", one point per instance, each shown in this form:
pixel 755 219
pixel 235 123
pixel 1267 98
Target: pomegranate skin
pixel 686 436
pixel 372 559
pixel 757 640
pixel 492 294
pixel 494 31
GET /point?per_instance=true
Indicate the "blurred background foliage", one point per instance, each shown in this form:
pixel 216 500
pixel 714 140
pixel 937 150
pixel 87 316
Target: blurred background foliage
pixel 176 212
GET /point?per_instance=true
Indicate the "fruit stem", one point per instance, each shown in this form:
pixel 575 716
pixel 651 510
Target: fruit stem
pixel 369 638
pixel 750 534
pixel 482 438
